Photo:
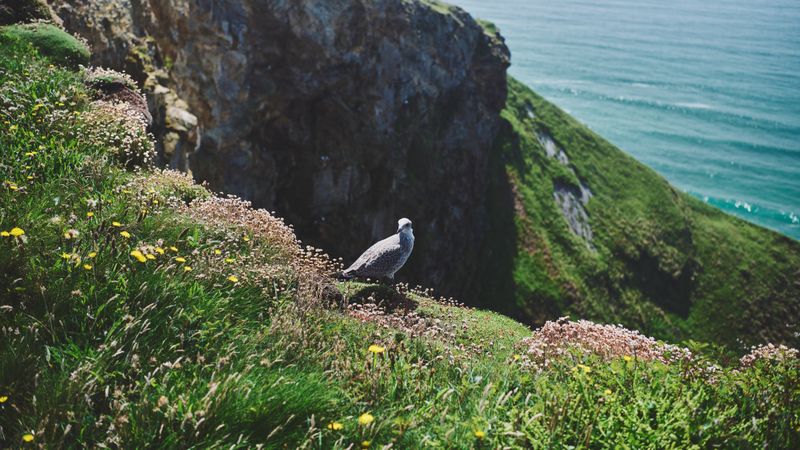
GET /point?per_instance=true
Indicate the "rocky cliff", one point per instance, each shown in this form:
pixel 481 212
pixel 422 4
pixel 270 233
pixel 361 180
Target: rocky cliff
pixel 344 115
pixel 341 115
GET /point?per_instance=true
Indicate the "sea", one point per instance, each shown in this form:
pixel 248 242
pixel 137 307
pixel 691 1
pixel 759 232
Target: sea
pixel 707 93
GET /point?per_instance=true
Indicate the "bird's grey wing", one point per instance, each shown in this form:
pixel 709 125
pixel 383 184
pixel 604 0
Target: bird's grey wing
pixel 377 255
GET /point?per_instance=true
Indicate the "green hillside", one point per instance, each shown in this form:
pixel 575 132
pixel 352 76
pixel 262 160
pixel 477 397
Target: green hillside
pixel 658 260
pixel 138 310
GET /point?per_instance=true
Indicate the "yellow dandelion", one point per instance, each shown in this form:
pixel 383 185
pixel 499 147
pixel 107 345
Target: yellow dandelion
pixel 90 214
pixel 174 249
pixel 246 238
pixel 87 266
pixel 365 419
pixel 159 250
pixel 139 256
pixel 30 154
pixel 66 255
pixel 12 186
pixel 376 349
pixel 229 260
pixel 187 268
pixel 516 357
pixel 29 177
pixel 336 426
pixel 217 252
pixel 3 398
pixel 116 224
pixel 27 437
pixel 365 444
pixel 607 392
pixel 479 435
pixel 586 369
pixel 150 257
pixel 92 254
pixel 16 232
pixel 180 259
pixel 233 279
pixel 155 202
pixel 5 233
pixel 627 358
pixel 125 234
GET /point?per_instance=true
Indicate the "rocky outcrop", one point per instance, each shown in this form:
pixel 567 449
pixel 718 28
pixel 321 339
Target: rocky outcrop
pixel 118 32
pixel 341 116
pixel 23 11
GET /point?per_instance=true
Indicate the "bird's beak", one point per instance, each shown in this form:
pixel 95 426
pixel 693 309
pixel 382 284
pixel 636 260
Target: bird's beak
pixel 399 229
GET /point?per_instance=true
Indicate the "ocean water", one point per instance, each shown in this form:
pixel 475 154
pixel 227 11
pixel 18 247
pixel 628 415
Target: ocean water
pixel 707 93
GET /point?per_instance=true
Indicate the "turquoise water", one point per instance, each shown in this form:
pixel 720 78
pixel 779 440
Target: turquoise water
pixel 706 93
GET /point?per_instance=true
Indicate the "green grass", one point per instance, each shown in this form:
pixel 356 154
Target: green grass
pixel 661 260
pixel 109 351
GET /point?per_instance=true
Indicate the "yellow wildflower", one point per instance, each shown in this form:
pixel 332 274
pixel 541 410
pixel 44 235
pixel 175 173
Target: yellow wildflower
pixel 92 254
pixel 12 186
pixel 66 255
pixel 233 279
pixel 365 419
pixel 335 426
pixel 180 259
pixel 16 232
pixel 627 358
pixel 217 252
pixel 87 266
pixel 516 357
pixel 90 214
pixel 479 435
pixel 376 349
pixel 174 249
pixel 586 369
pixel 3 398
pixel 139 256
pixel 246 239
pixel 229 260
pixel 125 234
pixel 607 392
pixel 159 250
pixel 5 233
pixel 116 224
pixel 187 268
pixel 150 257
pixel 27 437
pixel 12 128
pixel 365 444
pixel 30 154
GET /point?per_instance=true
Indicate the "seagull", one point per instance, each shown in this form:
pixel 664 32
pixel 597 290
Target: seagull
pixel 385 257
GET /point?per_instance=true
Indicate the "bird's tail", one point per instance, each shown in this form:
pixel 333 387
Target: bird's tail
pixel 347 274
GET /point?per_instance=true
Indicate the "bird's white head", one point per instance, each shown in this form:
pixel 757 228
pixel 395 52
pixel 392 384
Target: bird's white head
pixel 404 225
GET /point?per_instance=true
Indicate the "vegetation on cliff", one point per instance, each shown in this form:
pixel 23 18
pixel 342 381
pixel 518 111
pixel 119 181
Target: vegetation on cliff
pixel 656 259
pixel 139 310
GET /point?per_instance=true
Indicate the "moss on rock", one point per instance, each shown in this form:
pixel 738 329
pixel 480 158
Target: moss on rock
pixel 21 11
pixel 56 44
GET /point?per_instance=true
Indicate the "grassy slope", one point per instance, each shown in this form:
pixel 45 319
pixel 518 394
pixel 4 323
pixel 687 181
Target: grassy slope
pixel 662 261
pixel 110 350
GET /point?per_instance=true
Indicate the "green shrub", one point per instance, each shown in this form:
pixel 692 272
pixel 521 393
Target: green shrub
pixel 56 44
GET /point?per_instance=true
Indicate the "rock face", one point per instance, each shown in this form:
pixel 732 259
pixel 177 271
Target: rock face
pixel 340 115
